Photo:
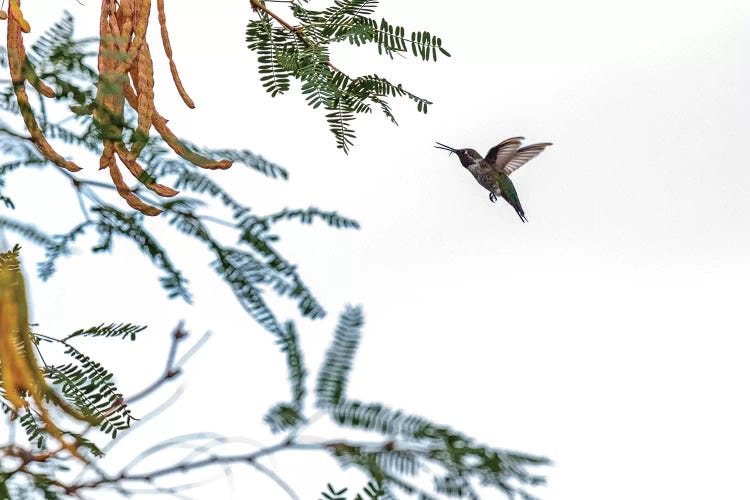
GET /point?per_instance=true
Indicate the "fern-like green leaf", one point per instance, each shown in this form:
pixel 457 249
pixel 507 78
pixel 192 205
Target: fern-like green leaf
pixel 240 270
pixel 89 386
pixel 308 215
pixel 87 444
pixel 283 417
pixel 303 51
pixel 123 330
pixel 334 373
pixel 33 428
pixel 244 157
pixel 112 221
pixel 28 231
pixel 59 248
pixel 289 344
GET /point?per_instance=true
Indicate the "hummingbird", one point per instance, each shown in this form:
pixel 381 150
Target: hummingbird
pixel 492 172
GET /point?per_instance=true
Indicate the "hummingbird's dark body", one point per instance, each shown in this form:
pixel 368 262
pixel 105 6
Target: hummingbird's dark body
pixel 492 171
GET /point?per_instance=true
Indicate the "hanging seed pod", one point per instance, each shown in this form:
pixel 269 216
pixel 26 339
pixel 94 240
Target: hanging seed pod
pixel 124 191
pixel 21 376
pixel 168 50
pixel 16 63
pixel 126 74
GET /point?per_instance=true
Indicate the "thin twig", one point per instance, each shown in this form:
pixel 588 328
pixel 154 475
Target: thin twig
pixel 170 370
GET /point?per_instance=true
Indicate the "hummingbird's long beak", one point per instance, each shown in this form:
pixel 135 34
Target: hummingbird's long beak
pixel 440 145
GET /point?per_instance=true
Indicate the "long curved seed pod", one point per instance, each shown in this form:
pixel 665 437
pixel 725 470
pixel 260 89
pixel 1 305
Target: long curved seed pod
pixel 30 75
pixel 131 199
pixel 22 376
pixel 141 175
pixel 106 112
pixel 108 155
pixel 141 10
pixel 14 8
pixel 168 50
pixel 16 64
pixel 124 17
pixel 143 78
pixel 12 373
pixel 160 124
pixel 36 82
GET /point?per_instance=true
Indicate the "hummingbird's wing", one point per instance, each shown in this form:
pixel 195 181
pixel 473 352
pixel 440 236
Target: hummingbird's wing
pixel 501 154
pixel 523 155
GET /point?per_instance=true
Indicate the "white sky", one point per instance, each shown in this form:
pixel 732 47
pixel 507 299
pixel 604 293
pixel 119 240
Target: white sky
pixel 609 333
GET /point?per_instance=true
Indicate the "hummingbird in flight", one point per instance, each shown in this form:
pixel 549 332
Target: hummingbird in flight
pixel 492 172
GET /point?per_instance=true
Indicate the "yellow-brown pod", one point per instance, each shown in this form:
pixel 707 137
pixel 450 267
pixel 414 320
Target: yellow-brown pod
pixel 13 313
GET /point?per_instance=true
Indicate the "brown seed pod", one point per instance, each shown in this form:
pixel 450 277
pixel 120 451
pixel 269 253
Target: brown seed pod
pixel 16 62
pixel 140 14
pixel 141 175
pixel 160 124
pixel 108 155
pixel 125 74
pixel 168 50
pixel 129 197
pixel 144 81
pixel 14 6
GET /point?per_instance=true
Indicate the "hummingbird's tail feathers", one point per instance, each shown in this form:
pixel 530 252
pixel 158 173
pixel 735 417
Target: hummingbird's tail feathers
pixel 520 213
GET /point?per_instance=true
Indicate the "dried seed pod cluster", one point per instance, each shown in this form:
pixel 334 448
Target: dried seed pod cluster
pixel 125 75
pixel 21 376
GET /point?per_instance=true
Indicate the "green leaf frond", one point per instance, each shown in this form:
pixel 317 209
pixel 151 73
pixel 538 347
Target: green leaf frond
pixel 243 157
pixel 282 276
pixel 85 140
pixel 47 486
pixel 337 364
pixel 269 43
pixel 57 35
pixel 114 222
pixel 308 216
pixel 59 248
pixel 248 274
pixel 283 417
pixel 7 201
pixel 89 386
pixel 340 124
pixel 28 231
pixel 370 492
pixel 194 181
pixel 122 330
pixel 459 455
pixel 87 444
pixel 356 456
pixel 289 345
pixel 34 429
pixel 303 52
pixel 241 271
pixel 381 464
